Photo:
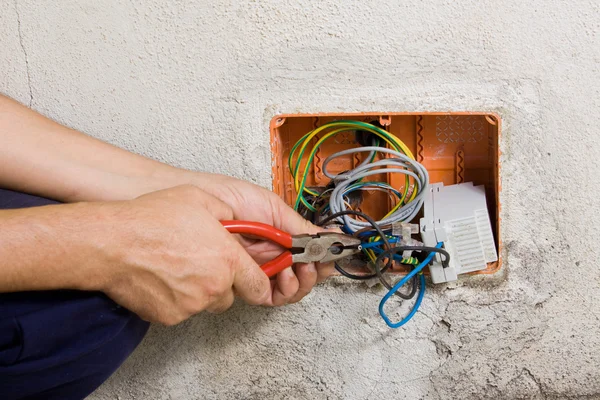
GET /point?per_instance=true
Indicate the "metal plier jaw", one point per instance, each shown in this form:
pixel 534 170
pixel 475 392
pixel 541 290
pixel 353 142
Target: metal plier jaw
pixel 323 247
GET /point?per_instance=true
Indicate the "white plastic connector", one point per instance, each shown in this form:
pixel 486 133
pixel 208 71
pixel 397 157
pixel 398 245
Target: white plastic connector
pixel 457 215
pixel 405 231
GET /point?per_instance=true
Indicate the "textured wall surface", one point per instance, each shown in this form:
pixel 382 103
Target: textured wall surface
pixel 195 83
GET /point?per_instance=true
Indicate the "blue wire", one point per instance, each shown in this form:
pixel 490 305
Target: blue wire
pixel 347 230
pixel 378 243
pixel 371 233
pixel 399 285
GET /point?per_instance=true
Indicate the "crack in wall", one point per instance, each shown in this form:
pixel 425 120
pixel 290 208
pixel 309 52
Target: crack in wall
pixel 24 52
pixel 537 382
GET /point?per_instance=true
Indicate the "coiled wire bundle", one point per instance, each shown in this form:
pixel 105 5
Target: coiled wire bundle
pixel 332 203
pixel 400 164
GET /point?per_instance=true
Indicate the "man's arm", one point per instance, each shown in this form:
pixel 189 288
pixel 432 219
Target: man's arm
pixel 164 256
pixel 42 157
pixel 33 249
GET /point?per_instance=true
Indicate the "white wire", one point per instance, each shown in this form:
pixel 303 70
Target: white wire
pixel 367 188
pixel 400 163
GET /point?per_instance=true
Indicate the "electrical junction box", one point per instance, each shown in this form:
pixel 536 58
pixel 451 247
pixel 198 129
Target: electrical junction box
pixel 460 150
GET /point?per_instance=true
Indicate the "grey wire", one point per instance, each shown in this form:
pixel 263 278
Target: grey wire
pixel 404 165
pixel 367 158
pixel 377 189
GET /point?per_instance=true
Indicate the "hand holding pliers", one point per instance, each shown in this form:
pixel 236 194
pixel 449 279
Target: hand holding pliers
pixel 321 247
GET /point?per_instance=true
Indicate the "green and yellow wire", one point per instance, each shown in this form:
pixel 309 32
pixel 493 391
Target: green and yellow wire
pixel 342 126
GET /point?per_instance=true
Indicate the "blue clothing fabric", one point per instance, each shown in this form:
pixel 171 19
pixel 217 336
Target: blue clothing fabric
pixel 60 344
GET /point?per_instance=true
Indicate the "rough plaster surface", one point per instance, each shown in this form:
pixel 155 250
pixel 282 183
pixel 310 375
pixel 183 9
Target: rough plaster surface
pixel 195 83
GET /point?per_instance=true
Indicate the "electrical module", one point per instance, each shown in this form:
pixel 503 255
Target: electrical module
pixel 457 216
pixel 417 189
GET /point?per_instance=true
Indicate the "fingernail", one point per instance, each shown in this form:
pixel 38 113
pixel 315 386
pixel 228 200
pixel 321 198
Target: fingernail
pixel 312 268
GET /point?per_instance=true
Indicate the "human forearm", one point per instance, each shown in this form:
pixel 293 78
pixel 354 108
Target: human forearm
pixel 164 255
pixel 42 157
pixel 52 247
pixel 39 156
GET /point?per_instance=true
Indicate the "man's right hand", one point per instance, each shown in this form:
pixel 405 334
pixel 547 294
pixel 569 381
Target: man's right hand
pixel 167 257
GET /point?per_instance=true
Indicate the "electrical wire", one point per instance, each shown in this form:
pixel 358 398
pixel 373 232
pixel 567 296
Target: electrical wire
pixel 399 164
pixel 403 281
pixel 343 126
pixel 378 269
pixel 375 186
pixel 370 220
pixel 336 202
pixel 426 249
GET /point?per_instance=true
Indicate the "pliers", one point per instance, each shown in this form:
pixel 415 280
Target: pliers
pixel 321 247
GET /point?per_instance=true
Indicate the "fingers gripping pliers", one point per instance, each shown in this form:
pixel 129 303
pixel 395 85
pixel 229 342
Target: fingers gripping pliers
pixel 321 247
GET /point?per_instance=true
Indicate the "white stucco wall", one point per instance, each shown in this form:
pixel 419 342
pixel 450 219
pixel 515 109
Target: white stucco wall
pixel 194 83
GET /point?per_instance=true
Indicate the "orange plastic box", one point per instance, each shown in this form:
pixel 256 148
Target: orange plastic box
pixel 455 147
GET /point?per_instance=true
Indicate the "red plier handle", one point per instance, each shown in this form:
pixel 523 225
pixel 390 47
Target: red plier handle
pixel 321 247
pixel 284 239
